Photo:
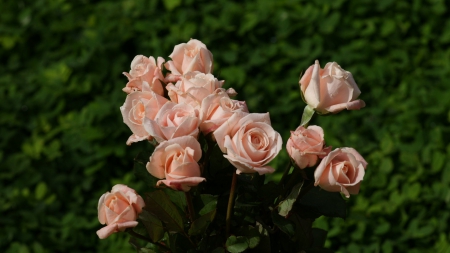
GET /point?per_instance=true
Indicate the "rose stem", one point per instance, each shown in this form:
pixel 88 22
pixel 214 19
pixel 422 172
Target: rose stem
pixel 134 234
pixel 190 206
pixel 230 203
pixel 286 172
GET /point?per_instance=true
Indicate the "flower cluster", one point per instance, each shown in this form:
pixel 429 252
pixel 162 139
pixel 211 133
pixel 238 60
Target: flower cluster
pixel 189 117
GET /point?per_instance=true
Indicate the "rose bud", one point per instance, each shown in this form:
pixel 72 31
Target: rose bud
pixel 119 210
pixel 189 57
pixel 341 171
pixel 306 146
pixel 176 160
pixel 330 90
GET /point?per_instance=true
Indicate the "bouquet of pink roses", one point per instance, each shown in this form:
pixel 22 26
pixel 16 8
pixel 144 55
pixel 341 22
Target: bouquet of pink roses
pixel 206 173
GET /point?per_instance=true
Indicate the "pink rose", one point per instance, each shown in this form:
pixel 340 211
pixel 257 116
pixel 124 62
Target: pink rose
pixel 118 210
pixel 188 57
pixel 216 109
pixel 331 89
pixel 193 88
pixel 341 171
pixel 306 146
pixel 176 160
pixel 138 106
pixel 249 142
pixel 173 120
pixel 145 75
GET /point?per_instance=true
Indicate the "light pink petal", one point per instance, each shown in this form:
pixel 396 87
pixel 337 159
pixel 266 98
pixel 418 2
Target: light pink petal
pixel 354 105
pixel 107 231
pixel 127 224
pixel 306 77
pixel 323 164
pixel 312 91
pixel 101 209
pixel 226 129
pixel 182 184
pixel 134 138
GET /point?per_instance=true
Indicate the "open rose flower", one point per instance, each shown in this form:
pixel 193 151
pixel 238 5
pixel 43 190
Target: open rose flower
pixel 176 160
pixel 216 109
pixel 138 106
pixel 331 89
pixel 145 75
pixel 173 120
pixel 249 142
pixel 119 210
pixel 188 57
pixel 193 88
pixel 341 171
pixel 306 146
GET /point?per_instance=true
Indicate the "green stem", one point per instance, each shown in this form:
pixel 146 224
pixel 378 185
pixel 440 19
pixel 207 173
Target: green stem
pixel 190 206
pixel 134 234
pixel 286 172
pixel 230 204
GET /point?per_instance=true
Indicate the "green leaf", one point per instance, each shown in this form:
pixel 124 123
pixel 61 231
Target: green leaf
pixel 41 190
pixel 252 234
pixel 200 225
pixel 283 224
pixel 159 204
pixel 209 203
pixel 285 206
pixel 153 225
pixel 177 197
pixel 308 113
pixel 171 4
pixel 236 244
pixel 317 202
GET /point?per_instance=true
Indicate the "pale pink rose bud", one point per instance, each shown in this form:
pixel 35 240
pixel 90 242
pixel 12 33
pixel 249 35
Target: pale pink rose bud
pixel 173 120
pixel 193 88
pixel 306 146
pixel 341 171
pixel 138 106
pixel 119 210
pixel 176 160
pixel 191 56
pixel 330 90
pixel 249 142
pixel 145 75
pixel 216 109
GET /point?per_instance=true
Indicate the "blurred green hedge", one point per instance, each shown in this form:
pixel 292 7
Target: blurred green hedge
pixel 63 140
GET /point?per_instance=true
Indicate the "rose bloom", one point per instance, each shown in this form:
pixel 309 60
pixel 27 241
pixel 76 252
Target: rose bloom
pixel 341 171
pixel 176 160
pixel 193 88
pixel 249 142
pixel 119 210
pixel 173 120
pixel 217 108
pixel 145 75
pixel 331 89
pixel 306 146
pixel 138 106
pixel 188 57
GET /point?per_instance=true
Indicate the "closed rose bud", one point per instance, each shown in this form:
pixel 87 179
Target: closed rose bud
pixel 341 171
pixel 306 146
pixel 331 89
pixel 119 210
pixel 176 162
pixel 188 57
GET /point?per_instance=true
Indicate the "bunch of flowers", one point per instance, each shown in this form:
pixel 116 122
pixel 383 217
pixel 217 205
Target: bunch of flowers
pixel 205 174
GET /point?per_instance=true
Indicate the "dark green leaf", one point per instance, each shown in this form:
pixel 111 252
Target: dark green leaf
pixel 319 237
pixel 209 203
pixel 153 225
pixel 159 204
pixel 252 234
pixel 236 244
pixel 285 206
pixel 283 224
pixel 317 202
pixel 200 225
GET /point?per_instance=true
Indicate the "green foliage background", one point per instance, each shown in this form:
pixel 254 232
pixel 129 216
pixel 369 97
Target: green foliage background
pixel 63 141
